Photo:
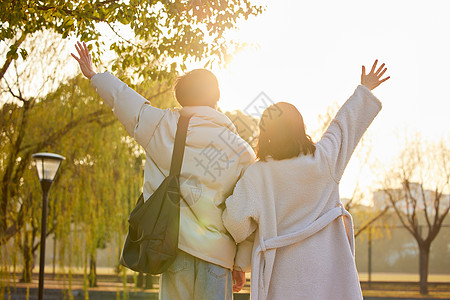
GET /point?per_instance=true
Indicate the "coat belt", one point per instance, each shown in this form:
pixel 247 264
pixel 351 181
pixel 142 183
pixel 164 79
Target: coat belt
pixel 264 257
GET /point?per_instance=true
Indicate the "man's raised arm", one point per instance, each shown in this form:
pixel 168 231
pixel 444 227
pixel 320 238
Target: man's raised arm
pixel 133 111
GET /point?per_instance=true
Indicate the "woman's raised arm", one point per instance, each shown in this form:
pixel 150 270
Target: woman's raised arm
pixel 351 121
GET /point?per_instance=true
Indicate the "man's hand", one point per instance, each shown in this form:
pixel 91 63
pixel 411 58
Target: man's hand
pixel 85 60
pixel 373 79
pixel 239 280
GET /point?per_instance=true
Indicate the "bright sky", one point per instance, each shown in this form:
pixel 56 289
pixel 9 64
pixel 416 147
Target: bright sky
pixel 310 54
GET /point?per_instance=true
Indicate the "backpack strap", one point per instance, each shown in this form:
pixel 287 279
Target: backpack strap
pixel 178 152
pixel 179 144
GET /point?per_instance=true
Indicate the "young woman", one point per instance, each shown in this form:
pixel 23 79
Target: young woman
pixel 303 243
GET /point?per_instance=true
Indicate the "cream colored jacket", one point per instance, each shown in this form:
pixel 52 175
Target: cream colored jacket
pixel 215 158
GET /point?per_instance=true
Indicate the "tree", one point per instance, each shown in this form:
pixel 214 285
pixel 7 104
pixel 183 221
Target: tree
pixel 36 134
pixel 26 130
pixel 97 184
pixel 95 188
pixel 161 30
pixel 246 126
pixel 417 187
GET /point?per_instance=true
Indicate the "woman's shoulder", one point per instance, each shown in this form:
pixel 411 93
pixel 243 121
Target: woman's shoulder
pixel 252 169
pixel 258 165
pixel 254 172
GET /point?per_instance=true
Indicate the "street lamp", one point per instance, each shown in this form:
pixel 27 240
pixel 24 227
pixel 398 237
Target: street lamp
pixel 47 165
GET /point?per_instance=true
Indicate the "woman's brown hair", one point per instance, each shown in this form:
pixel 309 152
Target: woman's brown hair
pixel 282 133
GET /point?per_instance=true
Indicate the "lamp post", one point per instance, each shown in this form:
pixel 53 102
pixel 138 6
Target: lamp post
pixel 47 165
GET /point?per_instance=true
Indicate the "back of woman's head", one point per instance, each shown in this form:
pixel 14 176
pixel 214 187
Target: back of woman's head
pixel 282 133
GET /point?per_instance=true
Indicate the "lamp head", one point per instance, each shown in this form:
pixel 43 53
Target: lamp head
pixel 47 165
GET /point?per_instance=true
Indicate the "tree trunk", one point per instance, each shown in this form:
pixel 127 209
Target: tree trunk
pixel 92 271
pixel 148 281
pixel 424 256
pixel 140 280
pixel 27 264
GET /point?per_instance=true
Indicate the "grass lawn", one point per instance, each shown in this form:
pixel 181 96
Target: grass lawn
pixel 399 288
pixel 405 290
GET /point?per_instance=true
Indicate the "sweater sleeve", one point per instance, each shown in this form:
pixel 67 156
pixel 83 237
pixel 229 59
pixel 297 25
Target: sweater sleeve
pixel 131 109
pixel 240 216
pixel 345 131
pixel 243 258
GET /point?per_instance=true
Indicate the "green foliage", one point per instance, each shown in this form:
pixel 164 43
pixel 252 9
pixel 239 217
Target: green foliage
pixel 246 126
pixel 161 29
pixel 159 93
pixel 97 184
pixel 100 179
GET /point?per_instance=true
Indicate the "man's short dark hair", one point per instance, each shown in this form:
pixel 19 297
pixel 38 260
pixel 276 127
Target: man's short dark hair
pixel 197 87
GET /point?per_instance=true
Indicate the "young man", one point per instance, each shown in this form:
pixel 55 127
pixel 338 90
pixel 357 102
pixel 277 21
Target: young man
pixel 214 159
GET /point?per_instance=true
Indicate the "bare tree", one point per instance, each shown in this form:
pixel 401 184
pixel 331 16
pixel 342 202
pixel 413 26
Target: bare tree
pixel 417 187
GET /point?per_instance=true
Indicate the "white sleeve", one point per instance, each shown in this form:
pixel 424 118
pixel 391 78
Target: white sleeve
pixel 131 109
pixel 243 257
pixel 240 216
pixel 345 131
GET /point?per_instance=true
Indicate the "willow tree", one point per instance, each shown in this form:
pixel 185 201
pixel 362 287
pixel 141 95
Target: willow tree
pixel 163 36
pixel 97 184
pixel 102 178
pixel 246 126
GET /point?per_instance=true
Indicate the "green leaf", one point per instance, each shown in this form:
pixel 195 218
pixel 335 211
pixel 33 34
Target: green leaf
pixel 23 53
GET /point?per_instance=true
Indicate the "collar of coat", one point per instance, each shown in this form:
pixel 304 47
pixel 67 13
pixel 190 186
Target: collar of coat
pixel 209 114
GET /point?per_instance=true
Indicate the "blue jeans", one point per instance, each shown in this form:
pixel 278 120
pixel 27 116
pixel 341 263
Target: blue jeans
pixel 192 278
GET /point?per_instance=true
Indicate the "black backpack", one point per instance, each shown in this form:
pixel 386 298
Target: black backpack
pixel 151 244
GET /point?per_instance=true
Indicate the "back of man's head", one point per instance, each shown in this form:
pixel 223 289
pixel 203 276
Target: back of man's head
pixel 197 88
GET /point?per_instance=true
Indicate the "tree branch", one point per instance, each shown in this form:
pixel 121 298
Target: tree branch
pixel 411 217
pixel 7 192
pixel 444 214
pixel 160 93
pixel 400 216
pixel 425 206
pixel 13 94
pixel 122 38
pixel 365 226
pixel 73 12
pixel 11 161
pixel 437 224
pixel 14 228
pixel 18 172
pixel 9 58
pixel 92 117
pixel 52 230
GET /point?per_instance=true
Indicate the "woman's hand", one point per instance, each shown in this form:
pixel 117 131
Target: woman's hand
pixel 373 79
pixel 85 60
